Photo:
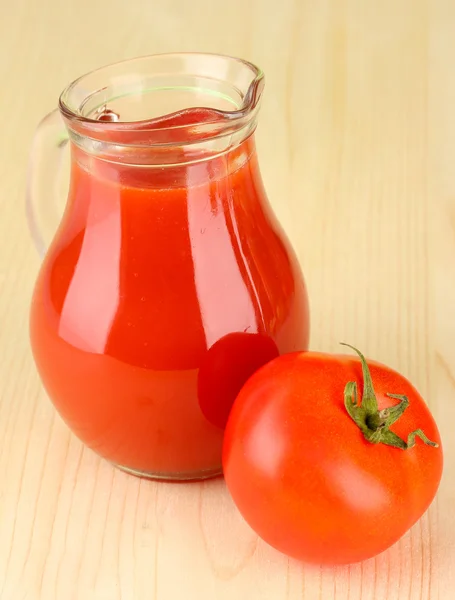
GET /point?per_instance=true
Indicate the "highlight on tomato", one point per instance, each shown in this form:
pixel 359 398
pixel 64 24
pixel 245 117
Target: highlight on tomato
pixel 325 467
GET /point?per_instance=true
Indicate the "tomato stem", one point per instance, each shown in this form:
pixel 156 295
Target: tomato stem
pixel 372 422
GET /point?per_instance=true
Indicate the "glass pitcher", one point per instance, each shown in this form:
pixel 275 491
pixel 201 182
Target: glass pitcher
pixel 168 281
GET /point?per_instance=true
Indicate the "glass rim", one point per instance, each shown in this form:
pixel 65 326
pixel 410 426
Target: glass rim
pixel 240 116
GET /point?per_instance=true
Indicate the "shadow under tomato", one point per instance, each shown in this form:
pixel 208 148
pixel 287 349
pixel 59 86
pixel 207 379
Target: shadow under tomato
pixel 226 367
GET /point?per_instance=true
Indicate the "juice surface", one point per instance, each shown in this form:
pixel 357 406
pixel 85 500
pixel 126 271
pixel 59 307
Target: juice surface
pixel 163 290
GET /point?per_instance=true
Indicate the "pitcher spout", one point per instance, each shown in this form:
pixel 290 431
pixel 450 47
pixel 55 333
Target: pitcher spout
pixel 164 100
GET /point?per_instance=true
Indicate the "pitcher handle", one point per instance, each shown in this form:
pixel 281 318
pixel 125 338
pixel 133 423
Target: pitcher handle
pixel 44 169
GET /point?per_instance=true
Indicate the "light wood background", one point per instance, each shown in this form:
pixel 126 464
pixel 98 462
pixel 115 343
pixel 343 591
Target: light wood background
pixel 357 145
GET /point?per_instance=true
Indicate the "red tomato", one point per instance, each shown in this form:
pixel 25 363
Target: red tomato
pixel 225 368
pixel 321 476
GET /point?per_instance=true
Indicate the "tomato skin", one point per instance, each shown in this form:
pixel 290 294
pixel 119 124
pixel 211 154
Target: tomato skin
pixel 301 472
pixel 225 368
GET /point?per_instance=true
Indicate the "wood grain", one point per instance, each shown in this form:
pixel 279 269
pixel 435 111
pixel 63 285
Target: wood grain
pixel 357 146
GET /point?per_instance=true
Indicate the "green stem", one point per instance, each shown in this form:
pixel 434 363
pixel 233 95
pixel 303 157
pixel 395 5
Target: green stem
pixel 372 422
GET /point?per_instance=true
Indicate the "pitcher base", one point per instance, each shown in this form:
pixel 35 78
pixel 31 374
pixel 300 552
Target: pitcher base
pixel 185 477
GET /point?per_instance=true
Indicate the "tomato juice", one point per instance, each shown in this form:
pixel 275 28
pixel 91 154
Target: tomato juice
pixel 163 290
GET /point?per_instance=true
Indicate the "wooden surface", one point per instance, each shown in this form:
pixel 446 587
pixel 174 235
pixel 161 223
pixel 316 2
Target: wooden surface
pixel 357 147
